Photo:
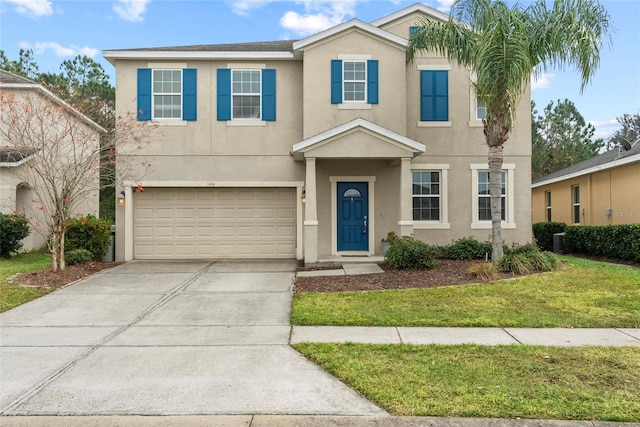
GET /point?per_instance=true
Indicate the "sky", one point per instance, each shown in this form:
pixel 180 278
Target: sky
pixel 57 30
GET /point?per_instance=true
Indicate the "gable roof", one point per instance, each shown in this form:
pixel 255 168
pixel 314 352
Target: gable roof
pixel 417 7
pixel 353 23
pixel 407 144
pixel 12 81
pixel 611 159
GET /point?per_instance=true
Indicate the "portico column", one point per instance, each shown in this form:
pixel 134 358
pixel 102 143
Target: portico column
pixel 310 214
pixel 405 214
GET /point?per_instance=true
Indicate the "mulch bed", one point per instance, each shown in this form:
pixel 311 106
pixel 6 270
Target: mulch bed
pixel 448 272
pixel 47 279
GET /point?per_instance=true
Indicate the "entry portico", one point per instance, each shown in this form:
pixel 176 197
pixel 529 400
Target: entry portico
pixel 344 166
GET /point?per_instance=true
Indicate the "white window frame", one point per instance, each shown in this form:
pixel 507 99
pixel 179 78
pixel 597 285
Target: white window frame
pixel 575 204
pixel 154 93
pixel 345 81
pixel 478 107
pixel 443 223
pixel 509 222
pixel 547 202
pixel 258 94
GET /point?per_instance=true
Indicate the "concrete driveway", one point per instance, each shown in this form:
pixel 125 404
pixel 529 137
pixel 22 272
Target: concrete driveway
pixel 166 338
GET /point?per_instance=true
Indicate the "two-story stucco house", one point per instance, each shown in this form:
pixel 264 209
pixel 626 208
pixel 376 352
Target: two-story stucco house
pixel 17 185
pixel 312 149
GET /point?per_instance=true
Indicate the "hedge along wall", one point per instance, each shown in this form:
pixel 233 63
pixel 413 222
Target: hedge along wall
pixel 616 241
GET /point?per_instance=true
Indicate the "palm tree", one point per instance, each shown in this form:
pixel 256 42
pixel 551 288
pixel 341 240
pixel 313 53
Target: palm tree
pixel 505 46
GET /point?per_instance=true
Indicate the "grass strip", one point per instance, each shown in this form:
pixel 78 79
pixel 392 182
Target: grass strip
pixel 12 295
pixel 583 383
pixel 585 294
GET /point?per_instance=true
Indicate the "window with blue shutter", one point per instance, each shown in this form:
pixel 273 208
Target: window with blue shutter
pixel 434 95
pixel 167 94
pixel 412 30
pixel 246 94
pixel 354 81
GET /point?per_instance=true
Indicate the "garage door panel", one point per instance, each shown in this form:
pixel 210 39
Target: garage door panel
pixel 214 223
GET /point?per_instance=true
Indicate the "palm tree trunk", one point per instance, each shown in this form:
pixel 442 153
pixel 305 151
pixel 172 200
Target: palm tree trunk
pixel 495 191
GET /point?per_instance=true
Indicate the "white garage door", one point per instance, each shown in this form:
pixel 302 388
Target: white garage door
pixel 174 223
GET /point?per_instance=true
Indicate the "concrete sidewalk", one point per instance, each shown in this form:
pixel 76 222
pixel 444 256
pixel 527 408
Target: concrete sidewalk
pixel 558 337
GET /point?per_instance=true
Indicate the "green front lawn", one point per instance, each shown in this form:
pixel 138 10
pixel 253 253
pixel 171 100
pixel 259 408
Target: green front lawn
pixel 585 294
pixel 585 383
pixel 12 295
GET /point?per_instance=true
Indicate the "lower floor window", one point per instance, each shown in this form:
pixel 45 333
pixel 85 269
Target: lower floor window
pixel 426 195
pixel 484 197
pixel 481 197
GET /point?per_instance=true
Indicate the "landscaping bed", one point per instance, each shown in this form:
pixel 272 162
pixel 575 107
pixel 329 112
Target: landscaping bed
pixel 46 279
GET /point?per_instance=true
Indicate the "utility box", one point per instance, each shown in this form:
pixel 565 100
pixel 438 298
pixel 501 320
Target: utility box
pixel 558 243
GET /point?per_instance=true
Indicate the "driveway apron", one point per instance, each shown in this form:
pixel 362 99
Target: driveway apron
pixel 166 338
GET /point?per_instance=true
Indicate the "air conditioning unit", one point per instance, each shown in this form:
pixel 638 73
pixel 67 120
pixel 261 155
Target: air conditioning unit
pixel 558 243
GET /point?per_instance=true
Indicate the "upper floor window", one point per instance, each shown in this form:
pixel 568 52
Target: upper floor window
pixel 167 94
pixel 354 81
pixel 434 95
pixel 246 94
pixel 481 110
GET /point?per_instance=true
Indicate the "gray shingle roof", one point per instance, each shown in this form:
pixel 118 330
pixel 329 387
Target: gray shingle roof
pixel 7 77
pixel 10 154
pixel 599 160
pixel 271 46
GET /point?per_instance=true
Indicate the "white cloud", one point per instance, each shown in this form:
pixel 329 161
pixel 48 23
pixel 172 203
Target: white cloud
pixel 319 15
pixel 34 8
pixel 244 7
pixel 445 5
pixel 543 81
pixel 59 50
pixel 604 123
pixel 131 10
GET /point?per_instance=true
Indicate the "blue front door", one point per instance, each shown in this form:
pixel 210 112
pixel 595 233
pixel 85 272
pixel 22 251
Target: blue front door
pixel 353 216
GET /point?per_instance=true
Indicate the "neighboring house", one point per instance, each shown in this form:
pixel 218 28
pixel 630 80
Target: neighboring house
pixel 311 149
pixel 16 195
pixel 602 190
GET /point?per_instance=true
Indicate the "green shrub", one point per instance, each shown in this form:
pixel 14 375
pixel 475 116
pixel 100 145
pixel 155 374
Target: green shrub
pixel 467 248
pixel 517 248
pixel 407 253
pixel 615 241
pixel 90 233
pixel 525 260
pixel 13 228
pixel 78 256
pixel 543 233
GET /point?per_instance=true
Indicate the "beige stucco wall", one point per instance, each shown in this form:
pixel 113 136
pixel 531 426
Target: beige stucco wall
pixel 614 189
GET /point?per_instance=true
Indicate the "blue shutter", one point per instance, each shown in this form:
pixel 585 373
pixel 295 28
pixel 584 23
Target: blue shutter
pixel 189 94
pixel 144 94
pixel 372 81
pixel 269 94
pixel 412 30
pixel 336 81
pixel 434 95
pixel 224 93
pixel 441 93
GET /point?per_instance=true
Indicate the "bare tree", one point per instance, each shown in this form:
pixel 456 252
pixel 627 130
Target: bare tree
pixel 66 160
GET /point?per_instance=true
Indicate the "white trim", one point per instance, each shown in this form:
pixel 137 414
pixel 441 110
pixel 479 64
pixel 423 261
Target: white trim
pixel 299 226
pixel 434 67
pixel 599 168
pixel 415 146
pixel 435 124
pixel 245 66
pixel 418 7
pixel 370 180
pixel 167 120
pixel 216 184
pixel 16 164
pixel 444 196
pixel 354 57
pixel 510 222
pixel 112 55
pixel 354 23
pixel 354 105
pixel 128 223
pixel 167 65
pixel 246 122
